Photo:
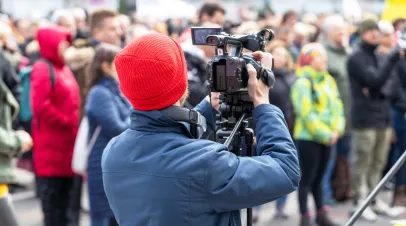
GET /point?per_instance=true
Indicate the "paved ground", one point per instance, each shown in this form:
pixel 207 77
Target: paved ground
pixel 29 214
pixel 339 213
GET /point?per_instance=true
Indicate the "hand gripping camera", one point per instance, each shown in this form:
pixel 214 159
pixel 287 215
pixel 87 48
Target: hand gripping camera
pixel 227 70
pixel 228 74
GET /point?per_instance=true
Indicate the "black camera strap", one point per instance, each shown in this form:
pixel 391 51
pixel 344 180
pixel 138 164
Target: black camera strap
pixel 179 114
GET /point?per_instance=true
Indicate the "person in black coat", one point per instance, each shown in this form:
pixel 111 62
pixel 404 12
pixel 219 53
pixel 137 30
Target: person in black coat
pixel 398 100
pixel 284 78
pixel 395 87
pixel 279 96
pixel 371 115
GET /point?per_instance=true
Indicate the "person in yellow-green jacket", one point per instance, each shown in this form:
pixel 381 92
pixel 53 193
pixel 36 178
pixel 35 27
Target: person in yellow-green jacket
pixel 319 123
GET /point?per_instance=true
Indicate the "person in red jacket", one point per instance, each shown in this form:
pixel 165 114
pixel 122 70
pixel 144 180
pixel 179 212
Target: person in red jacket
pixel 55 105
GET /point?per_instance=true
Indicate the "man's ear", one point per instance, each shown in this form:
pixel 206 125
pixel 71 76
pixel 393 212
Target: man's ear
pixel 95 32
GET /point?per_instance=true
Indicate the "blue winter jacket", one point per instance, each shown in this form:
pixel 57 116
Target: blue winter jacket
pixel 108 108
pixel 156 174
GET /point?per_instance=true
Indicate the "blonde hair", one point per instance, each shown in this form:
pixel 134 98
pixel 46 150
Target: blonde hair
pixel 281 44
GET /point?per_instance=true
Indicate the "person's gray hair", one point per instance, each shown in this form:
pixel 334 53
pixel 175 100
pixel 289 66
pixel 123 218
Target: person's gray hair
pixel 59 14
pixel 386 27
pixel 332 22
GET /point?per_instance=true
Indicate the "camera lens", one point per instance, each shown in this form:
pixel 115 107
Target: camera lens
pixel 212 40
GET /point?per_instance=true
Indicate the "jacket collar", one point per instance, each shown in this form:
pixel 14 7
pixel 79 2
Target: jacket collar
pixel 114 87
pixel 315 75
pixel 94 42
pixel 157 122
pixel 334 48
pixel 109 83
pixel 368 47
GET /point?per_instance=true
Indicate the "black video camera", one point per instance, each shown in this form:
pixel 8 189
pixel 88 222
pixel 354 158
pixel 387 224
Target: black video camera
pixel 227 70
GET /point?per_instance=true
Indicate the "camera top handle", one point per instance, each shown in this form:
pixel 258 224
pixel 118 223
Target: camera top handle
pixel 259 42
pixel 236 43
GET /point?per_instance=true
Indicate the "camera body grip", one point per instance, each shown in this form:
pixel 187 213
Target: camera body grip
pixel 266 76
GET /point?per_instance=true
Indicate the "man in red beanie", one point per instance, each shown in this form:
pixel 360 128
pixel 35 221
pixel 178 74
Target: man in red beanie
pixel 159 173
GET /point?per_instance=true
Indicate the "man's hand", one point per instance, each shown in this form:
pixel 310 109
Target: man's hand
pixel 334 138
pixel 215 100
pixel 266 59
pixel 26 140
pixel 257 90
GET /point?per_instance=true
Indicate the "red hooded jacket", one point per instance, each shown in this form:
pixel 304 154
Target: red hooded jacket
pixel 55 110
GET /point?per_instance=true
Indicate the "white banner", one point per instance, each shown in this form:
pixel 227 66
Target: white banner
pixel 164 9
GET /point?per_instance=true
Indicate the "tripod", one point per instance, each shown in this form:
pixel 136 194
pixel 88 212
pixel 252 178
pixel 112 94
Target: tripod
pixel 378 188
pixel 242 146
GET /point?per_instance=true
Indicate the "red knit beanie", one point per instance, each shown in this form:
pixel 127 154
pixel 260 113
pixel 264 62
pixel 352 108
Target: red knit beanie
pixel 152 72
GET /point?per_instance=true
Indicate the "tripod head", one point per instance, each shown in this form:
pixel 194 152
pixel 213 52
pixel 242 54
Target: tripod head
pixel 235 120
pixel 235 104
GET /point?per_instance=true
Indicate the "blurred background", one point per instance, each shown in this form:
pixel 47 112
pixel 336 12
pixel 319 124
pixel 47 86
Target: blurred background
pixel 295 22
pixel 24 8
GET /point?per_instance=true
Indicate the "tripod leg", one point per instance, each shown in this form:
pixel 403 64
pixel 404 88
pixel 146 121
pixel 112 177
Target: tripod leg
pixel 249 217
pixel 248 135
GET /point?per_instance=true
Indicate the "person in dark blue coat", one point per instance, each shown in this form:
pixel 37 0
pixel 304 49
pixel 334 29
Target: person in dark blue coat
pixel 158 172
pixel 108 112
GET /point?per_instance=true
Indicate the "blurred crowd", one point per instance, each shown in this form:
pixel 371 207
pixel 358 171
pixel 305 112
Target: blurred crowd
pixel 341 85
